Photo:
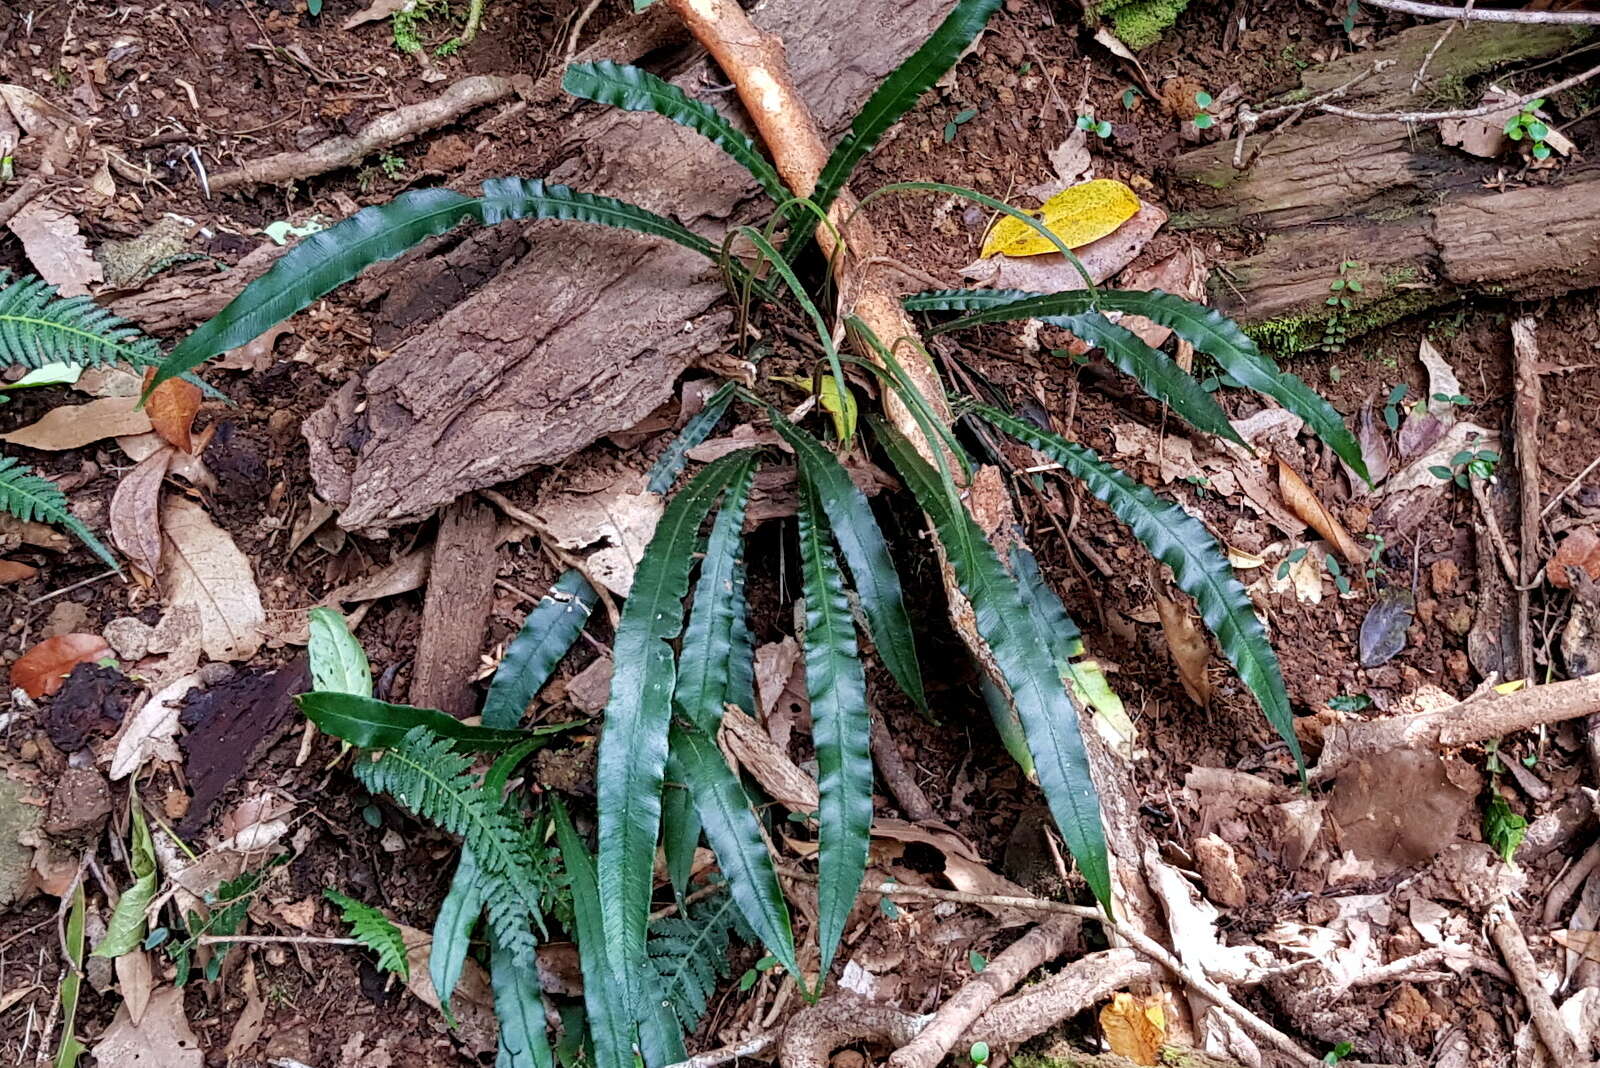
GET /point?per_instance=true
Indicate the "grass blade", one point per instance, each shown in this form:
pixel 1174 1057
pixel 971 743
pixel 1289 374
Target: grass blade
pixel 633 745
pixel 632 89
pixel 900 91
pixel 731 828
pixel 1048 715
pixel 856 532
pixel 452 929
pixel 373 724
pixel 519 1007
pixel 605 997
pixel 1199 566
pixel 1205 328
pixel 840 728
pixel 710 672
pixel 546 635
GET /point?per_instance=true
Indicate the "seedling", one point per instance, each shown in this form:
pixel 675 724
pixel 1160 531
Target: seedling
pixel 1343 1049
pixel 977 961
pixel 1460 400
pixel 979 1053
pixel 1375 566
pixel 392 166
pixel 1350 702
pixel 1334 334
pixel 1391 407
pixel 1290 560
pixel 1203 119
pixel 1527 124
pixel 752 975
pixel 961 118
pixel 1340 579
pixel 1099 127
pixel 1465 464
pixel 1130 97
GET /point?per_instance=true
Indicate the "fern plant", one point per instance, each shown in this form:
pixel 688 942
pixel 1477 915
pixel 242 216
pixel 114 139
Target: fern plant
pixel 683 648
pixel 375 931
pixel 689 953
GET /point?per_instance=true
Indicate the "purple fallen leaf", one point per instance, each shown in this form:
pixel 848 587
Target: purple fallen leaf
pixel 1374 445
pixel 1383 632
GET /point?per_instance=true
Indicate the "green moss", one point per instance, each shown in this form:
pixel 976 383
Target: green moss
pixel 1296 96
pixel 1138 23
pixel 1289 335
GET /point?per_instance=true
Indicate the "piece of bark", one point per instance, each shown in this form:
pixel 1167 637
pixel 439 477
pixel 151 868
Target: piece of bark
pixel 585 334
pixel 456 609
pixel 229 727
pixel 1414 215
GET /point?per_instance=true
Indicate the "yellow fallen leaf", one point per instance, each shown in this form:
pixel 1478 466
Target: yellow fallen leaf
pixel 841 405
pixel 1511 687
pixel 1077 215
pixel 1135 1028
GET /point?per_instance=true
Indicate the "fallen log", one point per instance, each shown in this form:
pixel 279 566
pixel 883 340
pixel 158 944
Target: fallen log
pixel 1423 223
pixel 580 333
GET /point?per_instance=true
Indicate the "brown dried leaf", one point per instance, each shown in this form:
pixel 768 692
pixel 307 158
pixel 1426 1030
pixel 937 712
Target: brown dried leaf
pixel 1584 943
pixel 73 426
pixel 1374 448
pixel 378 9
pixel 134 982
pixel 247 1028
pixel 172 407
pixel 34 113
pixel 12 571
pixel 207 572
pixel 162 1039
pixel 56 248
pixel 1305 504
pixel 1135 1027
pixel 472 1002
pixel 135 512
pixel 1179 273
pixel 1189 649
pixel 41 670
pixel 1580 549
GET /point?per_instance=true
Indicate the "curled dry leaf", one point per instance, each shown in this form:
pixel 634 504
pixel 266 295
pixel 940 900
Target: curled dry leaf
pixel 150 731
pixel 1189 649
pixel 1374 449
pixel 1135 1027
pixel 40 671
pixel 1580 549
pixel 135 512
pixel 1305 504
pixel 206 571
pixel 73 426
pixel 172 407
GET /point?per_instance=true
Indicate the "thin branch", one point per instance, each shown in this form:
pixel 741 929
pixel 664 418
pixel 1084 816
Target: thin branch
pixel 1464 113
pixel 1507 936
pixel 1422 71
pixel 1471 14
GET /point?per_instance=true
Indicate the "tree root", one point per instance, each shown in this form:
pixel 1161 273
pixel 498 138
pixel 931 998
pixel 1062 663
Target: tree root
pixel 843 1018
pixel 399 125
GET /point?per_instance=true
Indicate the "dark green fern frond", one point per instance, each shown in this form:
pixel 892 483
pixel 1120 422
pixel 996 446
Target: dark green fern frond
pixel 375 931
pixel 435 783
pixel 691 954
pixel 38 327
pixel 34 499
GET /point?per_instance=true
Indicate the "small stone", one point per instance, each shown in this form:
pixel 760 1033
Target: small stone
pixel 848 1058
pixel 128 637
pixel 590 688
pixel 1219 869
pixel 80 802
pixel 67 617
pixel 175 804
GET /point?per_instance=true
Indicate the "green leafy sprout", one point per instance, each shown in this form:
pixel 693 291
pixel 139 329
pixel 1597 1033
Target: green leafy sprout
pixel 1467 465
pixel 1101 128
pixel 1203 119
pixel 1526 124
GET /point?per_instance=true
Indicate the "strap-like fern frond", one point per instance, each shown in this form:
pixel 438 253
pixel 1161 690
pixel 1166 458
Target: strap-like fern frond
pixel 38 327
pixel 34 499
pixel 375 931
pixel 691 954
pixel 433 782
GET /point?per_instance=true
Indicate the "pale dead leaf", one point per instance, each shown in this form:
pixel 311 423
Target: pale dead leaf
pixel 73 426
pixel 34 113
pixel 402 575
pixel 1442 381
pixel 378 9
pixel 301 914
pixel 471 1001
pixel 622 515
pixel 1460 436
pixel 1584 943
pixel 1178 273
pixel 149 732
pixel 163 1039
pixel 1135 1027
pixel 1579 550
pixel 1189 649
pixel 1304 502
pixel 135 512
pixel 56 248
pixel 204 569
pixel 258 354
pixel 1071 162
pixel 1053 273
pixel 317 512
pixel 247 1028
pixel 134 983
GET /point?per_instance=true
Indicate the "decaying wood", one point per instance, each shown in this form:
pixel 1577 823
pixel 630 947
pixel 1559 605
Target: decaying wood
pixel 456 610
pixel 1508 938
pixel 1419 219
pixel 586 332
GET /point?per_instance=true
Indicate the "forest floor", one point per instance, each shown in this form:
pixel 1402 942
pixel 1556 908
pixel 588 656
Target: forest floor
pixel 1393 863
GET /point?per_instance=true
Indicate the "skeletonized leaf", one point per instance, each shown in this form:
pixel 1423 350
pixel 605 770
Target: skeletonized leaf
pixel 633 745
pixel 1022 653
pixel 1198 565
pixel 135 516
pixel 546 635
pixel 841 727
pixel 1078 215
pixel 43 669
pixel 731 827
pixel 859 538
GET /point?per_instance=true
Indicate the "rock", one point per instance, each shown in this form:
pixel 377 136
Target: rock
pixel 1219 869
pixel 590 688
pixel 81 801
pixel 128 637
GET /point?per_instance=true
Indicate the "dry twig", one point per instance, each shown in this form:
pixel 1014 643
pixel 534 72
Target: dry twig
pixel 1507 936
pixel 1471 14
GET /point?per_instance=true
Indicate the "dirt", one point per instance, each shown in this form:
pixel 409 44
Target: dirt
pixel 242 80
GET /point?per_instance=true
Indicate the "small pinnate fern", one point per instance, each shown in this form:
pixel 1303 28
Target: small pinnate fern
pixel 34 499
pixel 690 954
pixel 375 931
pixel 38 327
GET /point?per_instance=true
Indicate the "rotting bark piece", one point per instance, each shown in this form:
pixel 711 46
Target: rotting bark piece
pixel 456 609
pixel 229 728
pixel 586 334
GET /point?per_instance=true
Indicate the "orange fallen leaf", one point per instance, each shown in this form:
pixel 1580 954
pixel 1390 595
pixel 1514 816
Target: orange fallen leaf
pixel 1580 549
pixel 1189 649
pixel 1304 502
pixel 172 408
pixel 41 670
pixel 1135 1027
pixel 12 571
